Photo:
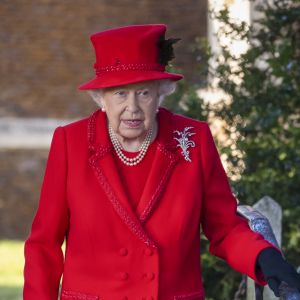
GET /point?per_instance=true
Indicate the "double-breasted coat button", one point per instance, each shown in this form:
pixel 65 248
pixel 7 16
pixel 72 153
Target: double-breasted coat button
pixel 123 251
pixel 149 275
pixel 148 251
pixel 125 298
pixel 122 275
pixel 148 298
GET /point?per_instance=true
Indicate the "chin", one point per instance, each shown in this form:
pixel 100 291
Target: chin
pixel 132 133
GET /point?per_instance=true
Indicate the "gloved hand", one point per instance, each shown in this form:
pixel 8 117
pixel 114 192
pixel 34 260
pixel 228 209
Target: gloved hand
pixel 276 269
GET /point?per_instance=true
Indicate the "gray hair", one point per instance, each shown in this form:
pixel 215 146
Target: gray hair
pixel 166 87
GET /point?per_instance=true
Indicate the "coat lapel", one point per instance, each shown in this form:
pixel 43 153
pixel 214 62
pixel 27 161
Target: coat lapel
pixel 102 162
pixel 162 167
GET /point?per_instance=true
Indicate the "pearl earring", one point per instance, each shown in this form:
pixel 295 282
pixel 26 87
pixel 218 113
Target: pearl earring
pixel 102 109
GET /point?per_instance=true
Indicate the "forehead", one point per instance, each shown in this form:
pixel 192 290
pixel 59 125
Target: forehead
pixel 136 86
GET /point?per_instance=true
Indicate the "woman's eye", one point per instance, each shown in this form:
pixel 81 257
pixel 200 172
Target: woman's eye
pixel 143 93
pixel 120 93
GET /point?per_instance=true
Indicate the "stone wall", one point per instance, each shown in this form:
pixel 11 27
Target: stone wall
pixel 21 174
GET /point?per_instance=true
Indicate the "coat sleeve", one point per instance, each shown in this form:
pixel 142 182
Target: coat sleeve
pixel 229 234
pixel 43 254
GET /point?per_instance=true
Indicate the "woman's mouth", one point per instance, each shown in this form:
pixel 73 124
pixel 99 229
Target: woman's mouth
pixel 132 123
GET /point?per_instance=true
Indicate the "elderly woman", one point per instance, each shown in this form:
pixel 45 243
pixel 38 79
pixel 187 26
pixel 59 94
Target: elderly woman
pixel 129 187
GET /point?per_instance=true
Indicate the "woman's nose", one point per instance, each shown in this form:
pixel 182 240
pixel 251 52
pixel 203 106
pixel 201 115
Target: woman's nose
pixel 132 103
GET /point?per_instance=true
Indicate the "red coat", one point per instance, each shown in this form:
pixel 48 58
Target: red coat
pixel 115 253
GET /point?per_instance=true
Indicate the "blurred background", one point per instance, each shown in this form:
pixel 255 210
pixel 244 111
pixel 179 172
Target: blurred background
pixel 241 61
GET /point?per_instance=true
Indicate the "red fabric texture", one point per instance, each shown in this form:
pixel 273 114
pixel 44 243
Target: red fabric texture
pixel 134 177
pixel 116 252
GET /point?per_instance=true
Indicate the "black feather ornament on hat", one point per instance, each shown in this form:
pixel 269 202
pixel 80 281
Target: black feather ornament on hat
pixel 166 51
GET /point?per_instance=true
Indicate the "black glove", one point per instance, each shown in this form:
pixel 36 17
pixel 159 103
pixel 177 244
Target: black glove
pixel 276 269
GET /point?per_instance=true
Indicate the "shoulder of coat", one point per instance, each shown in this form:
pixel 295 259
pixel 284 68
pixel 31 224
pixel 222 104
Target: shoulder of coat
pixel 77 124
pixel 182 121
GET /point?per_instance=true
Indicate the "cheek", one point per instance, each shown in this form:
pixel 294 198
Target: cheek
pixel 113 117
pixel 152 108
pixel 150 113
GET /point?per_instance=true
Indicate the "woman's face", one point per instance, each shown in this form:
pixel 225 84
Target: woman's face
pixel 131 108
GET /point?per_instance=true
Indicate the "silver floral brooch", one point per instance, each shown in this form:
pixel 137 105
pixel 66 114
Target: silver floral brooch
pixel 184 143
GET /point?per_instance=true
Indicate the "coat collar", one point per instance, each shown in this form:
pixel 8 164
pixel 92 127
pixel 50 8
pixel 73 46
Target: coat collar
pixel 98 138
pixel 102 162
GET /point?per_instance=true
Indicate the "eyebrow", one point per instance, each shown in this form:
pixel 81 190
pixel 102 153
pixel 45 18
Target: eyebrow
pixel 126 88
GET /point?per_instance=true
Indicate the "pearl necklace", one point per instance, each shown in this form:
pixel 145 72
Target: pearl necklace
pixel 118 148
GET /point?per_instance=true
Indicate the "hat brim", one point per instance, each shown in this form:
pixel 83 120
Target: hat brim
pixel 112 79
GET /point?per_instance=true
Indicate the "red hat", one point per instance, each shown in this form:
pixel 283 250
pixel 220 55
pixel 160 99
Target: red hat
pixel 131 54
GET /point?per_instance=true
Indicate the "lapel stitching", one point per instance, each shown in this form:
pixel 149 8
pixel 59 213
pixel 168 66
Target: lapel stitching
pixel 158 192
pixel 91 129
pixel 135 227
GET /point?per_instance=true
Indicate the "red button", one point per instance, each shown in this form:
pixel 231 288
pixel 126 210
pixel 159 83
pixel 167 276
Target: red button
pixel 125 298
pixel 150 275
pixel 123 251
pixel 148 251
pixel 122 275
